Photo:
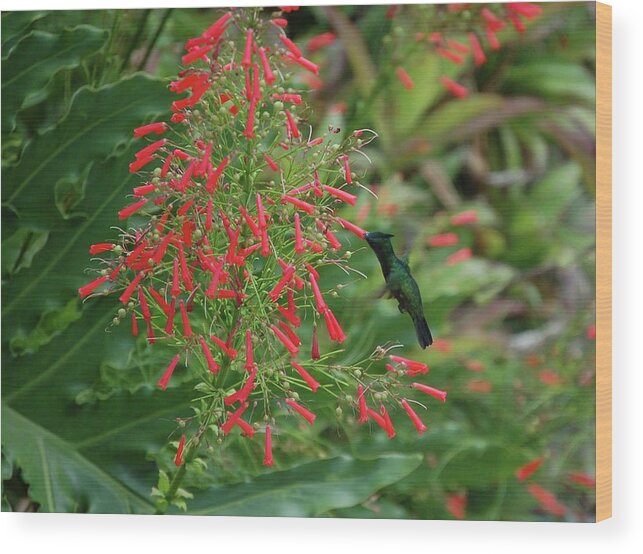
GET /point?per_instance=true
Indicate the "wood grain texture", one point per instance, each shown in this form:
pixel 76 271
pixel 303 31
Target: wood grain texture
pixel 603 261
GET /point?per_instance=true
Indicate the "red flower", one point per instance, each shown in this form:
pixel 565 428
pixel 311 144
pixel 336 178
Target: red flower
pixel 178 459
pixel 479 57
pixel 341 194
pixel 419 425
pixel 527 470
pixel 459 256
pixel 268 75
pixel 212 364
pixel 320 41
pixel 582 479
pixel 314 351
pixel 131 209
pixel 547 500
pixel 124 298
pixel 291 46
pixel 473 365
pixel 291 125
pixel 404 78
pixel 435 393
pixel 310 380
pixel 165 379
pixel 445 239
pixel 267 457
pixel 454 88
pixel 549 377
pixel 413 367
pixel 303 412
pixel 187 329
pixel 91 286
pixel 155 128
pixel 308 65
pixel 456 505
pixel 247 52
pixel 293 349
pixel 358 231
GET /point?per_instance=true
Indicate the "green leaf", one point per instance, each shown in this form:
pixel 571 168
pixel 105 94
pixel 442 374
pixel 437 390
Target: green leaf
pixel 14 25
pixel 91 457
pixel 308 489
pixel 37 58
pixel 58 270
pixel 98 121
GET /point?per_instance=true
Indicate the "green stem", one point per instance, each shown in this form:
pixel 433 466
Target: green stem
pixel 136 38
pixel 155 38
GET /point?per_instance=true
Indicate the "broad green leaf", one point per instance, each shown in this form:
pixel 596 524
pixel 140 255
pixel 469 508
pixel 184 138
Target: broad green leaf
pixel 37 58
pixel 90 457
pixel 58 270
pixel 98 121
pixel 306 490
pixel 14 25
pixel 20 248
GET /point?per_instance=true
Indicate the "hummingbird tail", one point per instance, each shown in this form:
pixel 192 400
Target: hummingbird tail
pixel 423 332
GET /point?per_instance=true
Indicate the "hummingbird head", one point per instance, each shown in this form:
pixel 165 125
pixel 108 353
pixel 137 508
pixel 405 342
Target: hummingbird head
pixel 375 237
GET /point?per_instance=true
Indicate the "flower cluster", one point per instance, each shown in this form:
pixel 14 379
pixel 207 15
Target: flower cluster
pixel 233 221
pixel 484 24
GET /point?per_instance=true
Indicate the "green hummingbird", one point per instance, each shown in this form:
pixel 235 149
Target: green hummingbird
pixel 400 283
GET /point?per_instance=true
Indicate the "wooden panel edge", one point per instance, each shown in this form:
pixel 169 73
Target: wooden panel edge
pixel 603 261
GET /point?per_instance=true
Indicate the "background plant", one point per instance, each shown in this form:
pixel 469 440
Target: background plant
pixel 502 177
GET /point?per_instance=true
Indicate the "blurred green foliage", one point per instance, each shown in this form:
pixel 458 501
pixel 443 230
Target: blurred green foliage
pixel 83 428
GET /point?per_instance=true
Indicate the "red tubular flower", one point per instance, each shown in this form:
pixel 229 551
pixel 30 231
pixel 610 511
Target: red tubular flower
pixel 347 171
pixel 230 352
pixel 169 325
pixel 319 299
pixel 145 309
pixel 459 256
pixel 341 194
pixel 268 75
pixel 152 128
pixel 124 298
pixel 196 54
pixel 479 57
pixel 247 52
pixel 100 248
pixel 285 340
pixel 299 243
pixel 390 431
pixel 187 329
pixel 314 350
pixel 213 178
pixel 134 325
pixel 582 479
pixel 377 418
pixel 138 164
pixel 451 56
pixel 256 84
pixel 242 394
pixel 304 206
pixel 526 9
pixel 217 28
pixel 306 64
pixel 186 276
pixel 419 424
pixel 310 380
pixel 361 400
pixel 92 286
pixel 250 122
pixel 261 214
pixel 492 21
pixel 184 208
pixel 271 162
pixel 267 457
pixel 292 98
pixel 178 459
pixel 457 504
pixel 526 471
pixel 404 78
pixel 358 231
pixel 212 364
pixel 290 45
pixel 444 239
pixel 131 209
pixel 280 22
pixel 320 41
pixel 291 126
pixel 165 379
pixel 303 412
pixel 150 149
pixel 143 190
pixel 275 293
pixel 454 88
pixel 517 22
pixel 176 288
pixel 547 500
pixel 465 218
pixel 294 338
pixel 435 393
pixel 250 363
pixel 413 367
pixel 335 332
pixel 235 419
pixel 492 39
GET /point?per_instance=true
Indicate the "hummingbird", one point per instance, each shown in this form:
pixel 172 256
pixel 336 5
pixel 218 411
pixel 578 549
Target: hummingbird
pixel 400 283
